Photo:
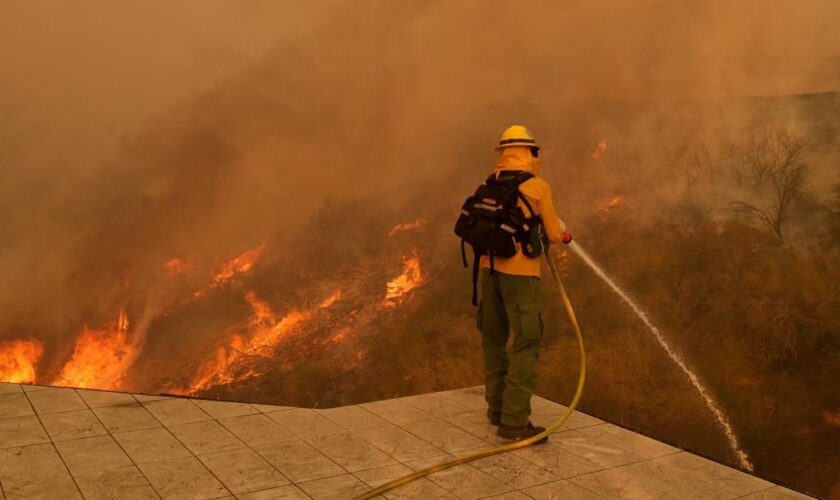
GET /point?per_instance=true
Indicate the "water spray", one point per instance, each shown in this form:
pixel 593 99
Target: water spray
pixel 743 458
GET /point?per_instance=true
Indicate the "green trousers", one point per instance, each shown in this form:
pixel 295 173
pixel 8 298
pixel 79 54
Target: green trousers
pixel 510 302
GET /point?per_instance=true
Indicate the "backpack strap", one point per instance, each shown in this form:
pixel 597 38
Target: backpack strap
pixel 520 178
pixel 475 278
pixel 527 204
pixel 464 253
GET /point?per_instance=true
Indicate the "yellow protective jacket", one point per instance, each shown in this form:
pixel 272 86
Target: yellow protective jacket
pixel 538 193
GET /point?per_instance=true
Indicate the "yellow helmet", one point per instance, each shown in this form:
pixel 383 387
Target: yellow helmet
pixel 517 135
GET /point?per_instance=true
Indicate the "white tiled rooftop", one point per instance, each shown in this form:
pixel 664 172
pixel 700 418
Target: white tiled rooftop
pixel 59 443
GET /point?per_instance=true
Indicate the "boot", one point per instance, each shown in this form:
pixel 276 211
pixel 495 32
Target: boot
pixel 495 416
pixel 520 433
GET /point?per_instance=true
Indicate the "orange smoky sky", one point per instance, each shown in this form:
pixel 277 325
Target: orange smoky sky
pixel 81 75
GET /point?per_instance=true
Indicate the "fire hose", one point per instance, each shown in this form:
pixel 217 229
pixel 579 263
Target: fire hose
pixel 518 444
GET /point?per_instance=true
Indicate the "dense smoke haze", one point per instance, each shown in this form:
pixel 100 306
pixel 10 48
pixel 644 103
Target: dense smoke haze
pixel 186 121
pixel 180 176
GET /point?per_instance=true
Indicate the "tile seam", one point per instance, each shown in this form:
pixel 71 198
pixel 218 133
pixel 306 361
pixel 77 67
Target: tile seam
pixel 52 444
pixel 136 466
pixel 230 493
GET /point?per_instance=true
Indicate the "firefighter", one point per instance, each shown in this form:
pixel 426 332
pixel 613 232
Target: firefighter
pixel 511 299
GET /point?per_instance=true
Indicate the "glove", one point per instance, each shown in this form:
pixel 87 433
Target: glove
pixel 567 238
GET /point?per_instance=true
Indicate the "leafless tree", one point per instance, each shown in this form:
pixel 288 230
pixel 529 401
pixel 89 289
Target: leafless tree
pixel 771 168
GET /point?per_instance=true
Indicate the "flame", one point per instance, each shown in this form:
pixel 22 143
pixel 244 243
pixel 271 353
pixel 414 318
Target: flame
pixel 563 261
pixel 406 226
pixel 340 336
pixel 238 265
pixel 18 359
pixel 332 299
pixel 265 332
pixel 599 149
pixel 101 358
pixel 612 204
pixel 831 417
pixel 410 279
pixel 177 266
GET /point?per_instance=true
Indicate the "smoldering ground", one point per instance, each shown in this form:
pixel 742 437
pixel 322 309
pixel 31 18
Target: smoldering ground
pixel 133 135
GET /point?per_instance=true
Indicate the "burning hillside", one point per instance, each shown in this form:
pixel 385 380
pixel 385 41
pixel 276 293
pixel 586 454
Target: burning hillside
pixel 234 361
pixel 277 333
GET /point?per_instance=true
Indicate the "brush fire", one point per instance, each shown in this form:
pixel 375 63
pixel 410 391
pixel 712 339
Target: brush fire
pixel 101 358
pixel 233 361
pixel 238 265
pixel 407 226
pixel 18 359
pixel 398 288
pixel 612 204
pixel 563 261
pixel 599 149
pixel 177 266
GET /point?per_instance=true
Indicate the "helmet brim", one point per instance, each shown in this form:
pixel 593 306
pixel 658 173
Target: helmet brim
pixel 512 144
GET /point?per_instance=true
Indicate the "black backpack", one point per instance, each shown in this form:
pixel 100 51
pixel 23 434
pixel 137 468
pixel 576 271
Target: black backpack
pixel 492 222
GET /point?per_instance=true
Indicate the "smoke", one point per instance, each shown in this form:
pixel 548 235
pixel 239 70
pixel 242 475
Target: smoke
pixel 132 134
